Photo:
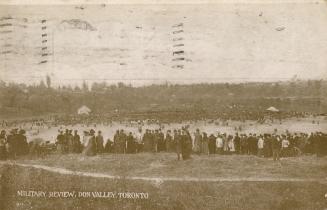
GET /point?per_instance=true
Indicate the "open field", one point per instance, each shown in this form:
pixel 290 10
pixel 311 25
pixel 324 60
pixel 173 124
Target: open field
pixel 203 182
pixel 166 165
pixel 240 194
pixel 293 125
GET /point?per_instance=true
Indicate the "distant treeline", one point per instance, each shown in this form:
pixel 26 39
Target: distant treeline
pixel 200 99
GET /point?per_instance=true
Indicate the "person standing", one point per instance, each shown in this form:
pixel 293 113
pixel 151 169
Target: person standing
pixel 147 141
pixel 267 145
pixel 285 147
pixel 161 141
pixel 109 148
pixel 12 144
pixel 186 144
pixel 22 145
pixel 244 144
pixel 219 145
pixel 189 144
pixel 139 141
pixel 66 141
pixel 254 144
pixel 212 144
pixel 116 142
pixel 3 142
pixel 276 146
pixel 197 142
pixel 237 143
pixel 260 146
pixel 155 141
pixel 169 142
pixel 77 142
pixel 130 144
pixel 90 149
pixel 251 144
pixel 225 141
pixel 178 143
pixel 85 139
pixel 204 144
pixel 70 142
pixel 60 143
pixel 231 145
pixel 99 143
pixel 122 141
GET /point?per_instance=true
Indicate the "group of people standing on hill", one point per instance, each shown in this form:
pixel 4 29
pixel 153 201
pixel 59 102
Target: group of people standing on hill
pixel 13 145
pixel 179 141
pixel 127 143
pixel 89 144
pixel 154 141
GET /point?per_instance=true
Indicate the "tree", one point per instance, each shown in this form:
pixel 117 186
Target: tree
pixel 48 80
pixel 42 85
pixel 317 87
pixel 85 87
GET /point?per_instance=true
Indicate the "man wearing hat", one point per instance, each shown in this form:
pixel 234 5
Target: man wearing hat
pixel 237 143
pixel 12 143
pixel 219 144
pixel 276 146
pixel 169 142
pixel 77 142
pixel 155 141
pixel 139 142
pixel 147 141
pixel 130 148
pixel 161 144
pixel 70 141
pixel 178 143
pixel 60 142
pixel 260 145
pixel 122 141
pixel 99 142
pixel 3 141
pixel 186 144
pixel 90 149
pixel 197 142
pixel 22 145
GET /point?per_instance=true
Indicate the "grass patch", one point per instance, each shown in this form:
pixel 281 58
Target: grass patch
pixel 166 165
pixel 168 195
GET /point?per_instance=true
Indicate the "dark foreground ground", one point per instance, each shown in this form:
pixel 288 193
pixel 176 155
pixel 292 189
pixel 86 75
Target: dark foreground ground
pixel 199 166
pixel 168 194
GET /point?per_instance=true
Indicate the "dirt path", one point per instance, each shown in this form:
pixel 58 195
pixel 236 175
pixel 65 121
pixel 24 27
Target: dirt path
pixel 159 180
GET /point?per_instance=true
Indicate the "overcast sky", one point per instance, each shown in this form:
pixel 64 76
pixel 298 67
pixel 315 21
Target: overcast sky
pixel 231 42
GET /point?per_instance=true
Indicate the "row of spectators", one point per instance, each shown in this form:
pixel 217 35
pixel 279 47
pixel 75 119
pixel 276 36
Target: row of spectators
pixel 182 142
pixel 14 144
pixel 179 141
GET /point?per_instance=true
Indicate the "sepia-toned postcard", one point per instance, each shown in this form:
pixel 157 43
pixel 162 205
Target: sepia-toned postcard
pixel 144 104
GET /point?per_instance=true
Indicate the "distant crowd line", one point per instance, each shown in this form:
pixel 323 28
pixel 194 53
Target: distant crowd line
pixel 235 114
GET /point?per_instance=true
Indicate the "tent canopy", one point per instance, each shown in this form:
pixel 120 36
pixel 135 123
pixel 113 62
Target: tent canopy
pixel 84 110
pixel 272 109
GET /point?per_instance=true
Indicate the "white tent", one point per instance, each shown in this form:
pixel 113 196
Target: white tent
pixel 272 109
pixel 84 110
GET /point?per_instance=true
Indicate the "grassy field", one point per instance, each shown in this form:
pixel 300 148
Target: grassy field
pixel 203 166
pixel 292 125
pixel 170 194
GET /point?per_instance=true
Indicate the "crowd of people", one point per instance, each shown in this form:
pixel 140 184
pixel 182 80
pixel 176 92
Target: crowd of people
pixel 179 141
pixel 124 142
pixel 234 112
pixel 13 144
pixel 183 143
